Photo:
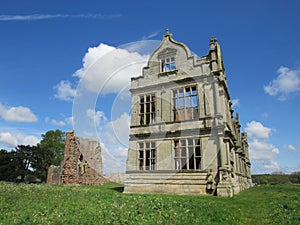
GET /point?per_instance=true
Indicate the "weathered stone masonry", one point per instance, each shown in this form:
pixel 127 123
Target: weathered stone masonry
pixel 183 136
pixel 82 163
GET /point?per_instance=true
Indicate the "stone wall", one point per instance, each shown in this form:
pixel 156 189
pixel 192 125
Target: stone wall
pixel 82 163
pixel 54 175
pixel 91 151
pixel 71 158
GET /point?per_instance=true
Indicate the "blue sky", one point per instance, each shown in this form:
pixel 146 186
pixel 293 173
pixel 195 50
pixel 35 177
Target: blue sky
pixel 48 47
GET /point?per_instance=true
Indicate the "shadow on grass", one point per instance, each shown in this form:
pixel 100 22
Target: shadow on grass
pixel 118 189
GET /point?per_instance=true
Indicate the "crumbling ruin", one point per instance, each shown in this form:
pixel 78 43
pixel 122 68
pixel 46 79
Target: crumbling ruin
pixel 82 163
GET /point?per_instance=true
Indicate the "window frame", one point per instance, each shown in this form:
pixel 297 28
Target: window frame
pixel 186 101
pixel 187 154
pixel 168 64
pixel 147 155
pixel 147 109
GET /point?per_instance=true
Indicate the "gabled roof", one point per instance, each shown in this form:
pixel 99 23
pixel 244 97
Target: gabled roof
pixel 168 39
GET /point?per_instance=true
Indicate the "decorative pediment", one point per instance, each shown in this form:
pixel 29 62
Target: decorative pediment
pixel 166 53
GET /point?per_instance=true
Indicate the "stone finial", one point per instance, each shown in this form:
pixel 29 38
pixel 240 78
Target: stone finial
pixel 212 43
pixel 237 116
pixel 213 40
pixel 167 33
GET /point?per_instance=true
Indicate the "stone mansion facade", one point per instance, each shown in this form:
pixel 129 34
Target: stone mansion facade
pixel 183 136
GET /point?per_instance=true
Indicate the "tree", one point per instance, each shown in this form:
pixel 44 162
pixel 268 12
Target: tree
pixel 50 151
pixel 295 177
pixel 25 156
pixel 8 170
pixel 16 163
pixel 33 160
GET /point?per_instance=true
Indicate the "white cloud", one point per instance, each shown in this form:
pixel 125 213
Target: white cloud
pixel 113 136
pixel 291 147
pixel 235 102
pixel 115 132
pixel 17 114
pixel 113 159
pixel 105 69
pixel 70 120
pixel 56 16
pixel 108 70
pixel 288 81
pixel 152 35
pixel 12 139
pixel 65 91
pixel 28 140
pixel 273 166
pixel 263 150
pixel 58 123
pixel 7 138
pixel 263 154
pixel 119 129
pixel 257 130
pixel 92 55
pixel 98 117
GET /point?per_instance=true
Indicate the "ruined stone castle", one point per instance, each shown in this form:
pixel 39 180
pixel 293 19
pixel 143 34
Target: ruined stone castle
pixel 183 136
pixel 82 163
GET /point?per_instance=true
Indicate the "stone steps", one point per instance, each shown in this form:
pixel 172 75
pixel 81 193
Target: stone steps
pixel 171 183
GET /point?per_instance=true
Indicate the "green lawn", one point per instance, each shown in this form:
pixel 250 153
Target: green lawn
pixel 44 204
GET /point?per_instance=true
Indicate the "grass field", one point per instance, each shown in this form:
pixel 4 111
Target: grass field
pixel 44 204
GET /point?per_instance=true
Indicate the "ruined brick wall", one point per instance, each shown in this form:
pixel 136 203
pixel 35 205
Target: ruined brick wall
pixel 71 156
pixel 82 163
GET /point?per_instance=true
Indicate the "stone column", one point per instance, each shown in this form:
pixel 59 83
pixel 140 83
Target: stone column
pixel 224 187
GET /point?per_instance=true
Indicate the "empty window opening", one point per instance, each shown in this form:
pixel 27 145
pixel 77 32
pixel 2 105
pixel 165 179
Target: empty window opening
pixel 147 109
pixel 187 154
pixel 185 103
pixel 147 155
pixel 81 158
